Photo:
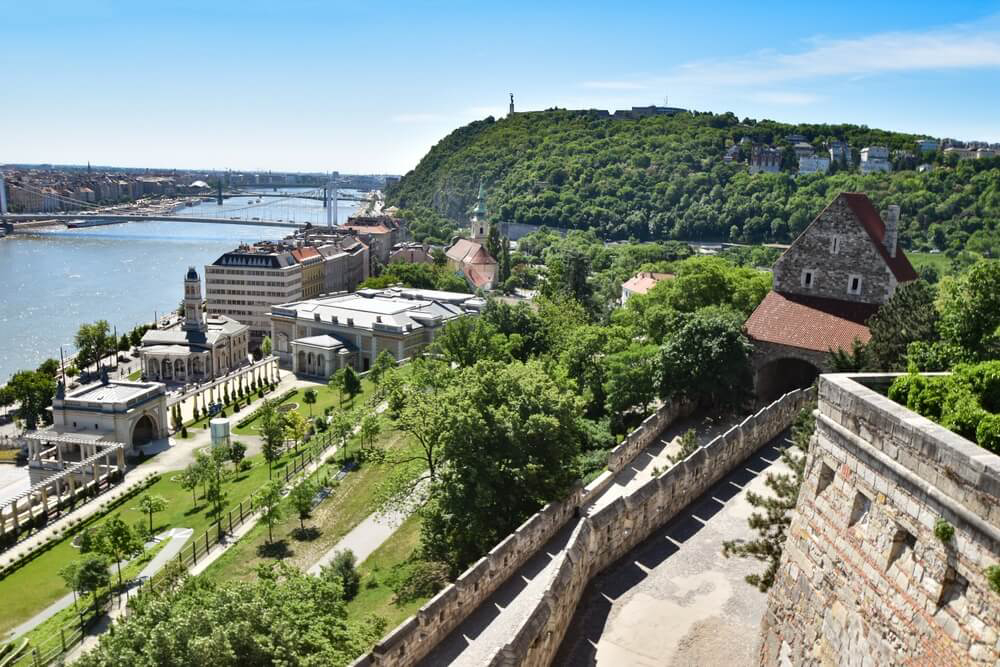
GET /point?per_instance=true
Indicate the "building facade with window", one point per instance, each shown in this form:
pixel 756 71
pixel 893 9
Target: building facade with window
pixel 827 284
pixel 316 337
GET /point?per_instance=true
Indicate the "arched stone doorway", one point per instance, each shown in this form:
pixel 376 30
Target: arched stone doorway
pixel 783 375
pixel 144 431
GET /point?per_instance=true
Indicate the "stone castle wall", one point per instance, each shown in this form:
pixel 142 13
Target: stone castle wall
pixel 415 637
pixel 610 533
pixel 863 578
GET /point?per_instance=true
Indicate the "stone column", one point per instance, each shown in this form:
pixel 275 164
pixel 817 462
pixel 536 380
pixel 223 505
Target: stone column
pixel 121 458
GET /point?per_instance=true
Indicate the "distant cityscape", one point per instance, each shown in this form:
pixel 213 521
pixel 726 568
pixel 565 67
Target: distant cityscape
pixel 51 188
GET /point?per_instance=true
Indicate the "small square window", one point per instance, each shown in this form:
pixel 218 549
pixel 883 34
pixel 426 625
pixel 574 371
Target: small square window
pixel 854 284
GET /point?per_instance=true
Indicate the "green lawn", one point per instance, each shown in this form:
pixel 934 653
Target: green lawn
pixel 46 635
pixel 135 375
pixel 353 499
pixel 937 260
pixel 33 587
pixel 325 397
pixel 375 596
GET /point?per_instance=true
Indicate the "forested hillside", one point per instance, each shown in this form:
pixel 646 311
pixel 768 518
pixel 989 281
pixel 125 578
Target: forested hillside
pixel 664 178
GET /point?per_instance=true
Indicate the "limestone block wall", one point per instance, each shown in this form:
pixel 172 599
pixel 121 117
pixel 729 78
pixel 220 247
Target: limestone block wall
pixel 419 634
pixel 863 578
pixel 617 528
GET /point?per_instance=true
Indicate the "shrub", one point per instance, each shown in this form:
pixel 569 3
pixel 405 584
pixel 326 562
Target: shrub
pixel 993 577
pixel 343 568
pixel 988 433
pixel 419 579
pixel 245 464
pixel 943 530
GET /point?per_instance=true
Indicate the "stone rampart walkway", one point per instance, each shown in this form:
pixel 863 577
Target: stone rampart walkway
pixel 675 599
pixel 492 624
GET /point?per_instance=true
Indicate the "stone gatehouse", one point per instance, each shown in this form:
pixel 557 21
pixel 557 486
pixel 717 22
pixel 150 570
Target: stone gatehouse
pixel 827 284
pixel 863 578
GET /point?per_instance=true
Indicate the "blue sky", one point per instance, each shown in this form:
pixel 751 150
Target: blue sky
pixel 370 86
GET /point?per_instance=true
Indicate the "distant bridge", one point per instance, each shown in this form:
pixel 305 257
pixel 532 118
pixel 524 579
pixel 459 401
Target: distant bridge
pixel 286 195
pixel 113 218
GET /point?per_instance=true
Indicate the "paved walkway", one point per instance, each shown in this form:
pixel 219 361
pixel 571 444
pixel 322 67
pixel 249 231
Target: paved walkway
pixel 13 480
pixel 675 599
pixel 493 623
pixel 177 537
pixel 364 538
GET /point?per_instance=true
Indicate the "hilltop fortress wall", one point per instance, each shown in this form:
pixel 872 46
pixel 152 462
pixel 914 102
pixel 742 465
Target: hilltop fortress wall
pixel 864 580
pixel 596 542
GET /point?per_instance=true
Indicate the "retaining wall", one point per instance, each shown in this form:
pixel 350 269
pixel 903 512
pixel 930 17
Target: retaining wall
pixel 864 579
pixel 418 635
pixel 617 528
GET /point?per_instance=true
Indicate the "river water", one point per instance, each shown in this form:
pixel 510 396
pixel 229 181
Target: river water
pixel 53 281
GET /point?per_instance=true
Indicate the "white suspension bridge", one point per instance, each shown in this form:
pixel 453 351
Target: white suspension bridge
pixel 284 209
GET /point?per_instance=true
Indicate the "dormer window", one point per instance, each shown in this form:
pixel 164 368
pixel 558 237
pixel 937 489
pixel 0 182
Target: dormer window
pixel 836 243
pixel 854 284
pixel 808 278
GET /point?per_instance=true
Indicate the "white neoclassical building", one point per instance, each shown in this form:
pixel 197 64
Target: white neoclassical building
pixel 197 349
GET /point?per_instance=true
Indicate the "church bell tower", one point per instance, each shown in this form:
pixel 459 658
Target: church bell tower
pixel 479 227
pixel 193 321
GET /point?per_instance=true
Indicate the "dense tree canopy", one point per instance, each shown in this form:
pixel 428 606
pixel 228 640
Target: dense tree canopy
pixel 664 178
pixel 284 617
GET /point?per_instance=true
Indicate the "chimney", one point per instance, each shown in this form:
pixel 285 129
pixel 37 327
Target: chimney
pixel 891 229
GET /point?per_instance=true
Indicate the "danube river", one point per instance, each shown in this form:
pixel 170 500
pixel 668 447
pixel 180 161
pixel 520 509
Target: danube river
pixel 53 281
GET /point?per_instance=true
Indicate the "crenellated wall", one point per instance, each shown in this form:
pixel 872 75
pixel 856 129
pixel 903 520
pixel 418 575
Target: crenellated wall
pixel 864 579
pixel 418 635
pixel 611 532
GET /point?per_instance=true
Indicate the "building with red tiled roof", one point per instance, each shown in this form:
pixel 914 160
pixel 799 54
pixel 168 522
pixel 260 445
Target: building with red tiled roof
pixel 473 261
pixel 641 283
pixel 827 284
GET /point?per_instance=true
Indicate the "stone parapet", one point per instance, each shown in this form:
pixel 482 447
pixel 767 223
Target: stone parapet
pixel 615 529
pixel 418 635
pixel 864 579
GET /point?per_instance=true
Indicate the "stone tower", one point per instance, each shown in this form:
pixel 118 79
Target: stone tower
pixel 480 227
pixel 193 321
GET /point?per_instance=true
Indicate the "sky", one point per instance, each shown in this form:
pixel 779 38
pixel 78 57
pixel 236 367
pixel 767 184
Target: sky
pixel 369 86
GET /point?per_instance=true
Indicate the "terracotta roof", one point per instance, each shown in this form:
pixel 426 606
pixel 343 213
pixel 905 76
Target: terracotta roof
pixel 809 322
pixel 476 278
pixel 304 253
pixel 644 281
pixel 368 229
pixel 873 224
pixel 468 251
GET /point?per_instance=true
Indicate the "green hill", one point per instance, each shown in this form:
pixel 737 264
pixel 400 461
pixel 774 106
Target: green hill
pixel 664 177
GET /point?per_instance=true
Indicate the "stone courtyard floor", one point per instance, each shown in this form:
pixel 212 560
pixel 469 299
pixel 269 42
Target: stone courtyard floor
pixel 675 599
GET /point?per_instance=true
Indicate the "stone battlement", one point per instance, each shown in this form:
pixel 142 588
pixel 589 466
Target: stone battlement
pixel 596 540
pixel 864 580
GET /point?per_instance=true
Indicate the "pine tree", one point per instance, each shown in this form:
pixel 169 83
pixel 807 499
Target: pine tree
pixel 772 523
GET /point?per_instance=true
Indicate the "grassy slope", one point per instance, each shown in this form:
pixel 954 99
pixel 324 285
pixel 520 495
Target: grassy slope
pixel 325 397
pixel 379 599
pixel 351 502
pixel 33 587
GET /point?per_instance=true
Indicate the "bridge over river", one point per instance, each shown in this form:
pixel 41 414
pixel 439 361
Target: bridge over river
pixel 97 219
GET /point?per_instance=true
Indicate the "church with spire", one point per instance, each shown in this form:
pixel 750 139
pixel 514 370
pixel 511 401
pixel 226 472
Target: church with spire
pixel 469 256
pixel 196 348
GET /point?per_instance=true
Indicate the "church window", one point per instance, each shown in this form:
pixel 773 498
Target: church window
pixel 854 284
pixel 836 243
pixel 808 278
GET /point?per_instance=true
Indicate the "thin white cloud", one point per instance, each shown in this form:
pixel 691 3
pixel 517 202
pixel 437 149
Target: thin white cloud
pixel 959 47
pixel 969 46
pixel 418 118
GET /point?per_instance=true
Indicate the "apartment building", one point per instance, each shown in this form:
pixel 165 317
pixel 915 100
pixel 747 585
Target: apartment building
pixel 243 284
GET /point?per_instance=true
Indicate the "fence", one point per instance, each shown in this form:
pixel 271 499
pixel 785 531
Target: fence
pixel 53 648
